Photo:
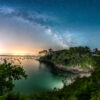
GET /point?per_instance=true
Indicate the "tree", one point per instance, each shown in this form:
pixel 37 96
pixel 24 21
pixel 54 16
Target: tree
pixel 9 73
pixel 50 51
pixel 44 52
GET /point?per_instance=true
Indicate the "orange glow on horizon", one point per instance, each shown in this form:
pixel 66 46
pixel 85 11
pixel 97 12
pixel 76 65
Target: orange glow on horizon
pixel 20 52
pixel 16 52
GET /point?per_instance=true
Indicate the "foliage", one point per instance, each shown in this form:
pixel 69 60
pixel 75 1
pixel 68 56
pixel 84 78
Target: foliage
pixel 75 56
pixel 9 73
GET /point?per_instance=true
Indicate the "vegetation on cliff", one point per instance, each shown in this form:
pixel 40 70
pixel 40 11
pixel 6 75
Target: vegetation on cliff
pixel 73 57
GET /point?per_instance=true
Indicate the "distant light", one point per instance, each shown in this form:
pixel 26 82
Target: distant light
pixel 93 54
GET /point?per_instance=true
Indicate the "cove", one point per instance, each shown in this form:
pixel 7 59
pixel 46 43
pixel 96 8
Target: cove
pixel 40 76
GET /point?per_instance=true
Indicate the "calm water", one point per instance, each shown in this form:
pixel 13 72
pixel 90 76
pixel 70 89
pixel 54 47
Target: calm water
pixel 40 78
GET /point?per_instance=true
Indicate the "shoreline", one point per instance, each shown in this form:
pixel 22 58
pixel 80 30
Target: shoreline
pixel 61 68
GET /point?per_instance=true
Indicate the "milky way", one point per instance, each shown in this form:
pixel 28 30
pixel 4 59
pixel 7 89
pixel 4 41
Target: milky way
pixel 31 25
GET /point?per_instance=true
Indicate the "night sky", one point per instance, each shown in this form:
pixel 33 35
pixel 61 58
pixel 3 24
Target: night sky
pixel 27 26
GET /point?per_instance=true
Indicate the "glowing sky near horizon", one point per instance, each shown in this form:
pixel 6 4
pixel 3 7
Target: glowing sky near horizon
pixel 27 26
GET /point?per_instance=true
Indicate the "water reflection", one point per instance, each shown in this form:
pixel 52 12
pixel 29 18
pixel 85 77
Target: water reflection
pixel 40 76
